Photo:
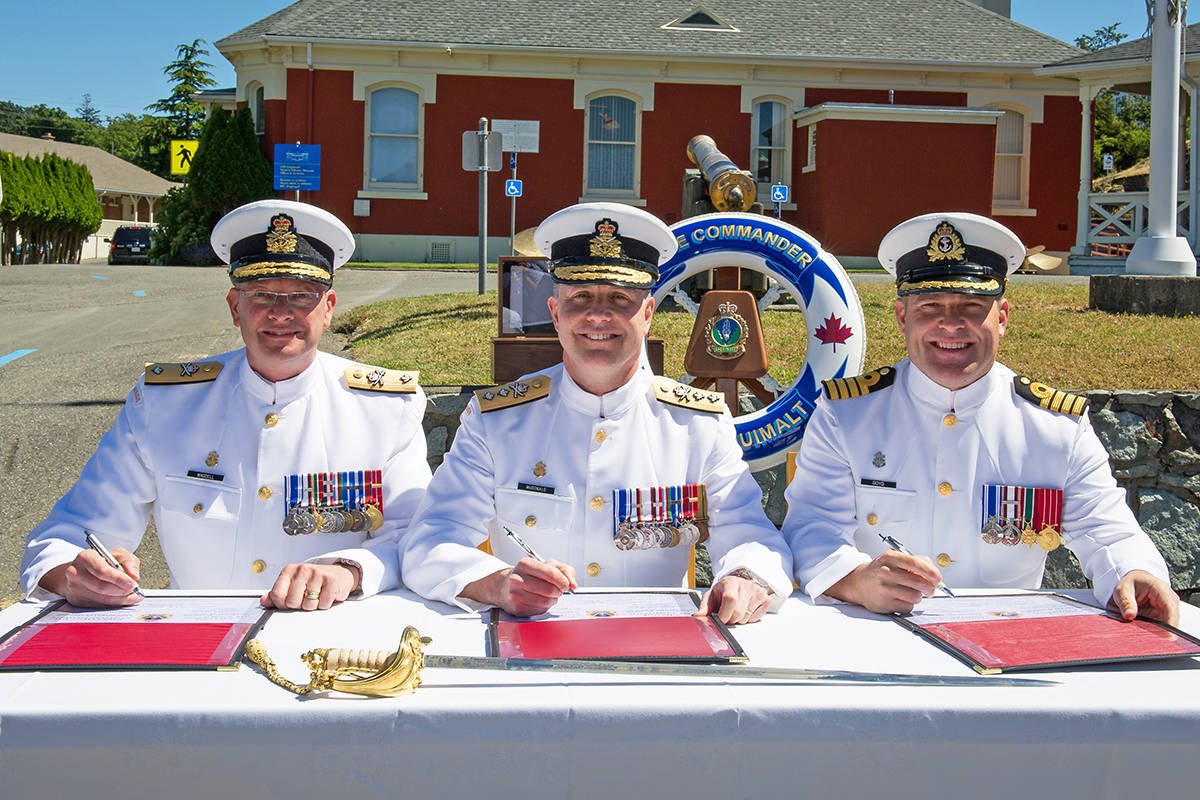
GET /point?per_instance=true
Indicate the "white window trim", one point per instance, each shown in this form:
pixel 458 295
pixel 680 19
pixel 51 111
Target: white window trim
pixel 810 162
pixel 785 123
pixel 398 190
pixel 630 197
pixel 1021 207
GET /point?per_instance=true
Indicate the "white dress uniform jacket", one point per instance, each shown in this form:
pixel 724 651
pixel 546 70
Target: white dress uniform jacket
pixel 910 460
pixel 578 447
pixel 227 533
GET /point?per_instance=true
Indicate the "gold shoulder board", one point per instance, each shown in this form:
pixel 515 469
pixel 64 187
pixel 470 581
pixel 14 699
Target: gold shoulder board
pixel 378 379
pixel 183 372
pixel 1048 397
pixel 516 393
pixel 680 394
pixel 859 385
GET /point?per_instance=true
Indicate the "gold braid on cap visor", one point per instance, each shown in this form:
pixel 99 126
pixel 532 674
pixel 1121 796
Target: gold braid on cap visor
pixel 594 273
pixel 281 268
pixel 986 286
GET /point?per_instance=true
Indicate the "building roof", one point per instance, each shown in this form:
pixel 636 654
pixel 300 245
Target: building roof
pixel 1136 50
pixel 109 173
pixel 926 31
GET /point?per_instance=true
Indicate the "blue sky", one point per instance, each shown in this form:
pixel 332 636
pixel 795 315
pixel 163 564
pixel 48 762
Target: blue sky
pixel 116 50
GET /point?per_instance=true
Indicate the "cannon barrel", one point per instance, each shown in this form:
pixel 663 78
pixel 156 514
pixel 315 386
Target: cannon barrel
pixel 729 188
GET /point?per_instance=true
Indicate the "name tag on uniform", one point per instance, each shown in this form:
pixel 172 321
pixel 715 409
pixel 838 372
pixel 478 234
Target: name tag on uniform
pixel 205 476
pixel 533 487
pixel 878 483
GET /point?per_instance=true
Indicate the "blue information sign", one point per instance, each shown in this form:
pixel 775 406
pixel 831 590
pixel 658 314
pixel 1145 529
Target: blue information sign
pixel 513 187
pixel 298 167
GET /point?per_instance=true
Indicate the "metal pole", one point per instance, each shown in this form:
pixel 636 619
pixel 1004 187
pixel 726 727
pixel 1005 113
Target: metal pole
pixel 512 220
pixel 483 171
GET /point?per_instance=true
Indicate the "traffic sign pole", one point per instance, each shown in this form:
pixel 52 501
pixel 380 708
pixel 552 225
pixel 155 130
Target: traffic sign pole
pixel 483 171
pixel 512 220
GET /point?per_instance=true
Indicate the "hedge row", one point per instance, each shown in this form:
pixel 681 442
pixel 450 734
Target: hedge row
pixel 48 210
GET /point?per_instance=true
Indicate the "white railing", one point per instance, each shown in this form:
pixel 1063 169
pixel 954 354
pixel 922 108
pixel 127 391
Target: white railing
pixel 1118 219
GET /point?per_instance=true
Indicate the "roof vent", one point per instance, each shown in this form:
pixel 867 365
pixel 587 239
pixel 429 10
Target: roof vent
pixel 699 19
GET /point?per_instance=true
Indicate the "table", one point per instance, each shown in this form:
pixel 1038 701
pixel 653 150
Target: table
pixel 1106 732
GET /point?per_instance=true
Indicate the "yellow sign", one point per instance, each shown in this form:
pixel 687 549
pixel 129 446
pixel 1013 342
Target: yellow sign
pixel 182 151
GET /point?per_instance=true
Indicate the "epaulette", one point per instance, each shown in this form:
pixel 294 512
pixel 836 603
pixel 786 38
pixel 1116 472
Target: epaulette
pixel 1048 397
pixel 183 372
pixel 378 379
pixel 680 394
pixel 859 385
pixel 516 393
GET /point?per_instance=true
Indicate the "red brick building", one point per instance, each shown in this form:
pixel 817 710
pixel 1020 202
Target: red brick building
pixel 869 112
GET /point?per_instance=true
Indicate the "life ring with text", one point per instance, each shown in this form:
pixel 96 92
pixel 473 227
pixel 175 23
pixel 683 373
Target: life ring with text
pixel 837 341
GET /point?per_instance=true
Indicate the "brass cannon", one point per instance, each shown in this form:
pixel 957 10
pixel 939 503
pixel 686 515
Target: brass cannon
pixel 722 184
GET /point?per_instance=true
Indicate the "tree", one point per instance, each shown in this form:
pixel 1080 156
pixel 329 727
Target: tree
pixel 87 112
pixel 227 171
pixel 188 74
pixel 1100 38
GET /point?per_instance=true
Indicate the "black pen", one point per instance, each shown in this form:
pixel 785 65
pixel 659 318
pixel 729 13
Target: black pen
pixel 529 551
pixel 893 543
pixel 99 547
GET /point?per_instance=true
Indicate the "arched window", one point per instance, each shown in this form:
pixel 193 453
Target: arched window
pixel 770 149
pixel 611 146
pixel 1010 187
pixel 257 108
pixel 394 138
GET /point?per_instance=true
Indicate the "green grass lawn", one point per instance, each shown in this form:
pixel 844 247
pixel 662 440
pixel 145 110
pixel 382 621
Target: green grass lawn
pixel 1052 336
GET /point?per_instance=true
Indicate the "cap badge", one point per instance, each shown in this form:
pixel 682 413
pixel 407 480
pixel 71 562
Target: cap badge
pixel 605 243
pixel 945 244
pixel 281 238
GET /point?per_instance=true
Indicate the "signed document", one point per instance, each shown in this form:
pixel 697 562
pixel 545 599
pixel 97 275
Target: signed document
pixel 161 632
pixel 655 625
pixel 1003 633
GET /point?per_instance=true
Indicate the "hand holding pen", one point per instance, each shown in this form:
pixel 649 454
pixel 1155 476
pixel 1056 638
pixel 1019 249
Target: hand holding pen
pixel 111 560
pixel 895 544
pixel 529 551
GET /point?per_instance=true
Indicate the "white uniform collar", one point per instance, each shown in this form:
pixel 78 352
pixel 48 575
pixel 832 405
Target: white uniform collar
pixel 281 392
pixel 612 404
pixel 930 393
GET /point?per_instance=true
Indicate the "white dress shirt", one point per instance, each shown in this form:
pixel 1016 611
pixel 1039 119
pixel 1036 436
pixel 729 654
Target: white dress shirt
pixel 240 436
pixel 910 460
pixel 575 448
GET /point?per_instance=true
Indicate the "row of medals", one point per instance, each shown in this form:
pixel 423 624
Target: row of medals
pixel 1011 533
pixel 302 521
pixel 649 535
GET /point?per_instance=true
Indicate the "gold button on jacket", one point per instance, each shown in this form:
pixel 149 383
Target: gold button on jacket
pixel 258 566
pixel 600 436
pixel 596 503
pixel 872 519
pixel 950 420
pixel 198 509
pixel 530 521
pixel 944 489
pixel 944 560
pixel 271 420
pixel 593 569
pixel 264 493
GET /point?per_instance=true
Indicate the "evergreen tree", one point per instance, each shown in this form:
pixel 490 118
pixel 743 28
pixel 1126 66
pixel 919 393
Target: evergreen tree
pixel 87 112
pixel 1121 121
pixel 188 74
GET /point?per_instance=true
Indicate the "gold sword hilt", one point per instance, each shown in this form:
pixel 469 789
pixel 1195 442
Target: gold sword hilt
pixel 376 673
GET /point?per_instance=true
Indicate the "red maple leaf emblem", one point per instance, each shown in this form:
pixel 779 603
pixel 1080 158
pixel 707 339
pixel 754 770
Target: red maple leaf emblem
pixel 833 332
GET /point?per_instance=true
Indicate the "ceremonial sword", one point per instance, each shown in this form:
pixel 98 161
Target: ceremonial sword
pixel 380 673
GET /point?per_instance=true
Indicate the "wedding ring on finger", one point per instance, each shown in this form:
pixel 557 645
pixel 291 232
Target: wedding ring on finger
pixel 312 595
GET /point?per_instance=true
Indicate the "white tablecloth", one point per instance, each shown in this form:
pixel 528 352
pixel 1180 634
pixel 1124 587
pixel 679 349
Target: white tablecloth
pixel 1106 732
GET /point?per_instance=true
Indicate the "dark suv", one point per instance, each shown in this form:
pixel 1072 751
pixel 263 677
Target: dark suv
pixel 130 244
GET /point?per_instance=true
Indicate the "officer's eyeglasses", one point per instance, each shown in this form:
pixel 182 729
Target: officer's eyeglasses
pixel 302 301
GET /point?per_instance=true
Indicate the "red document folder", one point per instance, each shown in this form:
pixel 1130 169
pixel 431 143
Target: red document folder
pixel 62 638
pixel 1014 637
pixel 680 639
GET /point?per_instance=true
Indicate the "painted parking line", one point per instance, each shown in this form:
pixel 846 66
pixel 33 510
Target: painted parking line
pixel 99 277
pixel 14 355
pixel 139 292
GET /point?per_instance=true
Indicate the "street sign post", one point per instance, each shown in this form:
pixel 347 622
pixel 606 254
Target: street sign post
pixel 482 152
pixel 297 167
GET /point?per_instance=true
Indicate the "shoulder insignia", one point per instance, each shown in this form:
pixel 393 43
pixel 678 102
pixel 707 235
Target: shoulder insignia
pixel 378 379
pixel 183 372
pixel 680 394
pixel 1048 397
pixel 859 385
pixel 516 393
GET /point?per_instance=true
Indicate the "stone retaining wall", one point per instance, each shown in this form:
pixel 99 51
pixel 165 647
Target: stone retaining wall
pixel 1153 438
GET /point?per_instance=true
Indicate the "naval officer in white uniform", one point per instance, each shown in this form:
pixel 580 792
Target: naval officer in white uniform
pixel 274 467
pixel 978 471
pixel 602 469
